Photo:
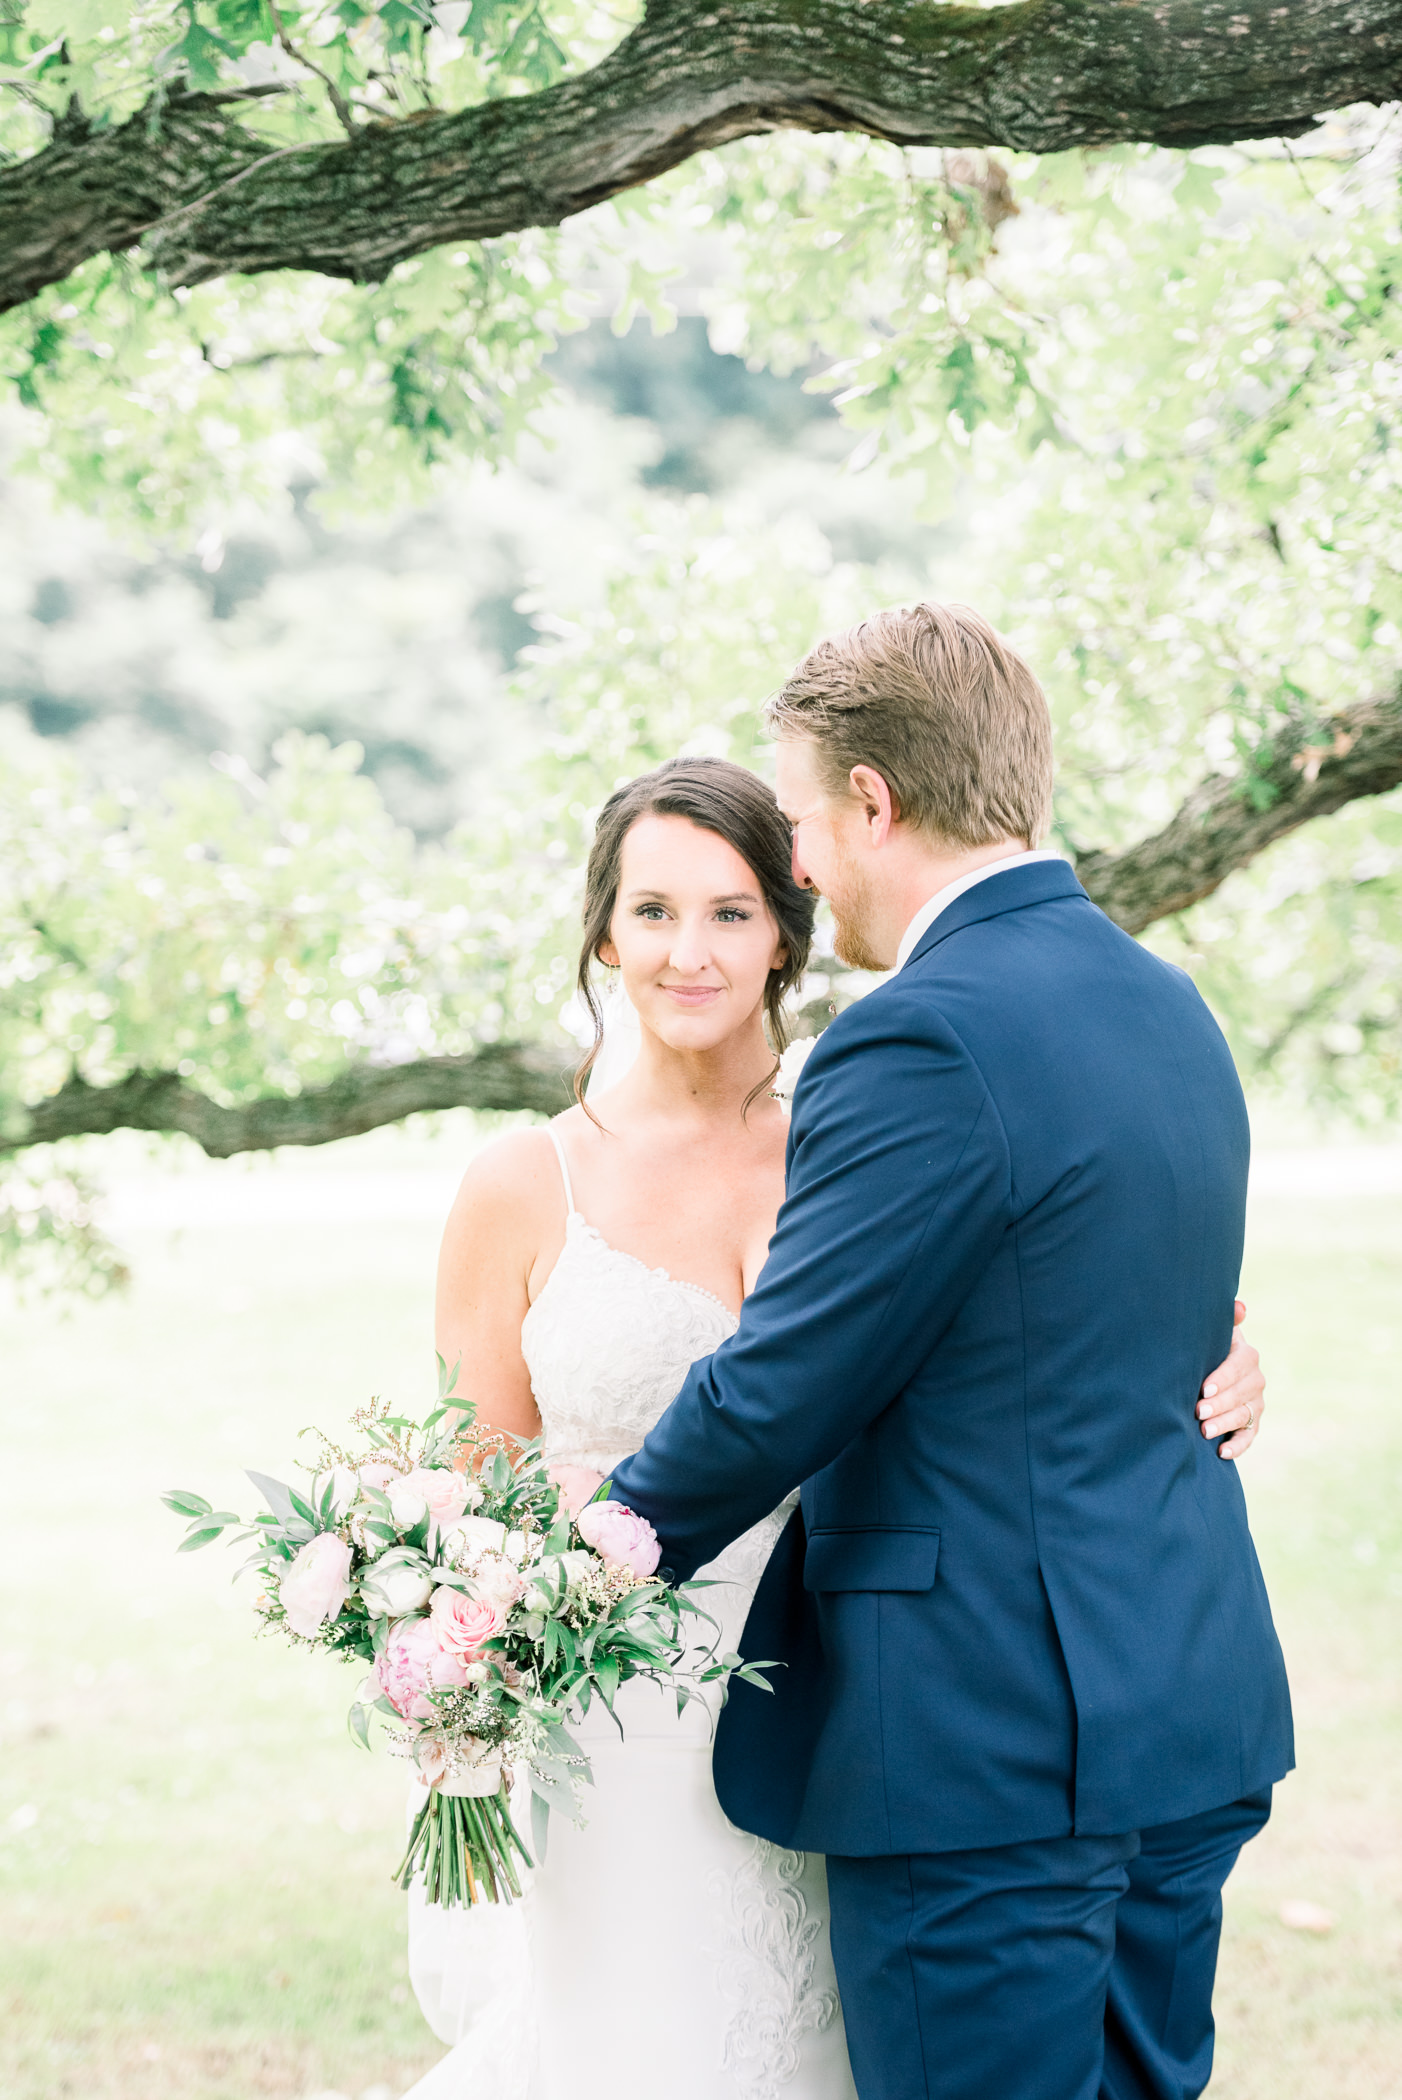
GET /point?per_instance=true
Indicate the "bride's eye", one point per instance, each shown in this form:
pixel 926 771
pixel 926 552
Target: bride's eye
pixel 731 915
pixel 651 912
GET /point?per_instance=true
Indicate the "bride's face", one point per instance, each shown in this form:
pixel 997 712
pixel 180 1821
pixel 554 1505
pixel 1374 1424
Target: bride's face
pixel 691 933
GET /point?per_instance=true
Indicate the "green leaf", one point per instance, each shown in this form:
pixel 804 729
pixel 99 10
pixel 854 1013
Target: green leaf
pixel 540 1820
pixel 185 1504
pixel 278 1497
pixel 197 1539
pixel 554 1793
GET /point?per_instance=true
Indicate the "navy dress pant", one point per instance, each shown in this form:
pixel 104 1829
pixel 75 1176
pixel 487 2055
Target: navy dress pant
pixel 1077 1968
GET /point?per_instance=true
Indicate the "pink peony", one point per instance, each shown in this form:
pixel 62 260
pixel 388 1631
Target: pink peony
pixel 463 1623
pixel 621 1539
pixel 315 1586
pixel 410 1663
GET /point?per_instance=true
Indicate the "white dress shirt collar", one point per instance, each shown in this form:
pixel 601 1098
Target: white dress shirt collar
pixel 925 918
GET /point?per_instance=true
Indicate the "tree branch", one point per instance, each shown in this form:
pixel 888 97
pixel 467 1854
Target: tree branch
pixel 1307 773
pixel 1226 822
pixel 1038 74
pixel 502 1075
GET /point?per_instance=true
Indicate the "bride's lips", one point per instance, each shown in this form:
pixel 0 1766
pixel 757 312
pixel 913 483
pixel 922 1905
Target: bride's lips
pixel 692 995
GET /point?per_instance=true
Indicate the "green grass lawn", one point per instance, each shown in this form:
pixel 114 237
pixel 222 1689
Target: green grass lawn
pixel 194 1859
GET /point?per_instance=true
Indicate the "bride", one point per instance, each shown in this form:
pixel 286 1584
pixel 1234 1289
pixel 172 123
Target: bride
pixel 584 1268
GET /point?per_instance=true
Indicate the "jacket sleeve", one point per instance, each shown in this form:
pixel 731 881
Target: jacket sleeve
pixel 899 1191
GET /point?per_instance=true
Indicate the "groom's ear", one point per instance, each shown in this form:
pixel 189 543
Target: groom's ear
pixel 879 806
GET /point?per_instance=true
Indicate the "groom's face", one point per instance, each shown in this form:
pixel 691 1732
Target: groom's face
pixel 827 834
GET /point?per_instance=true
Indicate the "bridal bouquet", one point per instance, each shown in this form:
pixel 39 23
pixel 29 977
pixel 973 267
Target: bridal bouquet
pixel 488 1615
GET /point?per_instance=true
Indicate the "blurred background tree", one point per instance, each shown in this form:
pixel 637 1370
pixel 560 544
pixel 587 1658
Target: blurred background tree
pixel 333 610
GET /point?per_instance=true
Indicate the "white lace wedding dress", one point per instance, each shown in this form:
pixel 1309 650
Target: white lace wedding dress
pixel 657 1943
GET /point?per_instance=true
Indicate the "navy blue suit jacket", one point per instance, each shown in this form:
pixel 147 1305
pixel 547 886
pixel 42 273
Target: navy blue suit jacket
pixel 1020 1598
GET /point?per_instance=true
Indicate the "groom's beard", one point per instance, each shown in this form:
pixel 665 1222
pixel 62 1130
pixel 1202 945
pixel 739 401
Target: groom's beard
pixel 849 900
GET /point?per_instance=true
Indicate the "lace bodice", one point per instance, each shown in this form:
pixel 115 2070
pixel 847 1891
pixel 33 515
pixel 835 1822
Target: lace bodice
pixel 608 1344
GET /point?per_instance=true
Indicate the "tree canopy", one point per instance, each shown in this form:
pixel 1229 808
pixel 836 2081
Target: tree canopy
pixel 1139 366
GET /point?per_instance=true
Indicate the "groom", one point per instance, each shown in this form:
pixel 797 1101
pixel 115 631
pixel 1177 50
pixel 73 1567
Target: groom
pixel 1033 1701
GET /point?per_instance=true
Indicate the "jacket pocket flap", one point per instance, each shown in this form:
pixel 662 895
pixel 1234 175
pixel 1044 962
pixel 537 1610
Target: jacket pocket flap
pixel 871 1560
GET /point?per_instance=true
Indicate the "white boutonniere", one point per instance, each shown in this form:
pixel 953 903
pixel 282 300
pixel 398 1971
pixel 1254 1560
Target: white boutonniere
pixel 790 1065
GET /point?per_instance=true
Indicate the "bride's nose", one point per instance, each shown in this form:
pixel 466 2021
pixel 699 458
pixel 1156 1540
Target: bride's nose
pixel 691 951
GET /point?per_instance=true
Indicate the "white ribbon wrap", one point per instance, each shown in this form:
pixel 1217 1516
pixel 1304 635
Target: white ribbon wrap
pixel 474 1781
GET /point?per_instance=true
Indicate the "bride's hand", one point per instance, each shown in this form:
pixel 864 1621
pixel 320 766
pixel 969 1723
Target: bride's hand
pixel 1233 1397
pixel 576 1485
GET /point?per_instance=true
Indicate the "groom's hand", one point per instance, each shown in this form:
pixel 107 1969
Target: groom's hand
pixel 1233 1397
pixel 577 1484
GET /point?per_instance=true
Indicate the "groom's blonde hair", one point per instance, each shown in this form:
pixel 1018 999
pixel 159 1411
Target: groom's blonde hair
pixel 938 704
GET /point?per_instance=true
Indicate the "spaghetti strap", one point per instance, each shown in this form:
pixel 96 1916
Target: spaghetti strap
pixel 564 1170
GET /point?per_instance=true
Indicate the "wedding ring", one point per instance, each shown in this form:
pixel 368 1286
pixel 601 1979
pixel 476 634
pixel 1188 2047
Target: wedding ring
pixel 1250 1422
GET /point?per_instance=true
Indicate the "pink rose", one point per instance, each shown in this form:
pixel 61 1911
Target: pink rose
pixel 315 1586
pixel 463 1623
pixel 411 1662
pixel 621 1539
pixel 432 1490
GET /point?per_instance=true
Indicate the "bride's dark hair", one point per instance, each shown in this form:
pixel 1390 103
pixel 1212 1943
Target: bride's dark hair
pixel 738 807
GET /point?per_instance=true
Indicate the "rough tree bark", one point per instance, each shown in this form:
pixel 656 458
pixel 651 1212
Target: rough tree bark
pixel 1309 771
pixel 204 195
pixel 501 1075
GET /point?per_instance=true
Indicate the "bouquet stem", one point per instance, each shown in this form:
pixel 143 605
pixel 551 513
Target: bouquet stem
pixel 462 1846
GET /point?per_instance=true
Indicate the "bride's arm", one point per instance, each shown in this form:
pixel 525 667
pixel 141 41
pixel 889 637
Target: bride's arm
pixel 496 1233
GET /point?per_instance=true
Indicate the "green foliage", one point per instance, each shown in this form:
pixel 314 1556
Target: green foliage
pixel 244 932
pixel 255 932
pixel 1301 958
pixel 384 62
pixel 51 1243
pixel 149 401
pixel 1151 400
pixel 162 408
pixel 252 933
pixel 880 264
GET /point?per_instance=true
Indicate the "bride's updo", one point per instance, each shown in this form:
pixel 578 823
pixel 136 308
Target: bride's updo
pixel 738 807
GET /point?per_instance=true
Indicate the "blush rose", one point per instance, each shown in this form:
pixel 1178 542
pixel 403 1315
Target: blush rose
pixel 463 1623
pixel 432 1491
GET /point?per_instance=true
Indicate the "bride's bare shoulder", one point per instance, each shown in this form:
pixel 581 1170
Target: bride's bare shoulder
pixel 512 1183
